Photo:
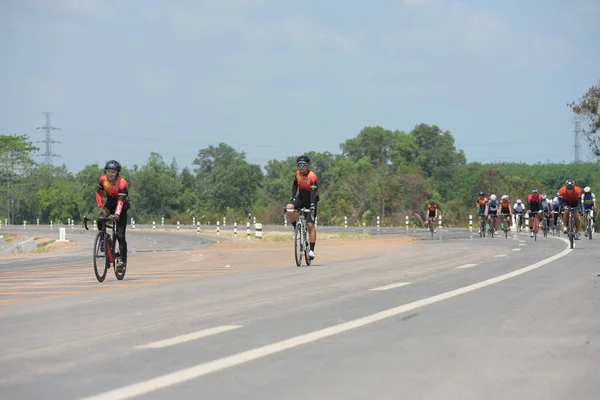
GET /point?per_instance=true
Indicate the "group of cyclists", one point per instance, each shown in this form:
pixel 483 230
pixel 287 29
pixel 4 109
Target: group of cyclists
pixel 540 206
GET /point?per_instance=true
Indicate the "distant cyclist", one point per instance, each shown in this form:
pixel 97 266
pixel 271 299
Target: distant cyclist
pixel 588 201
pixel 117 204
pixel 305 195
pixel 534 207
pixel 519 208
pixel 432 213
pixel 556 209
pixel 481 203
pixel 547 210
pixel 491 210
pixel 505 210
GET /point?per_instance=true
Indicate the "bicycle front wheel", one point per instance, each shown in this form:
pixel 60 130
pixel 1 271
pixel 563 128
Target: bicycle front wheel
pixel 100 259
pixel 298 244
pixel 306 247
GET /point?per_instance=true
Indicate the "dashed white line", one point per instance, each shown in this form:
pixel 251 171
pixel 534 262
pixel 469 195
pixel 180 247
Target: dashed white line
pixel 187 374
pixel 392 286
pixel 522 244
pixel 464 266
pixel 517 249
pixel 188 337
pixel 499 255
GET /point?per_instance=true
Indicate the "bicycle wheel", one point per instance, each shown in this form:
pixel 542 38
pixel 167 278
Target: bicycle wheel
pixel 306 246
pixel 100 259
pixel 119 275
pixel 590 226
pixel 298 243
pixel 570 230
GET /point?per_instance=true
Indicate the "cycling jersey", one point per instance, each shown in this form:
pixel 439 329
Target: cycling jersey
pixel 493 206
pixel 117 194
pixel 304 185
pixel 431 210
pixel 546 205
pixel 588 200
pixel 534 202
pixel 505 204
pixel 572 198
pixel 519 208
pixel 556 204
pixel 481 202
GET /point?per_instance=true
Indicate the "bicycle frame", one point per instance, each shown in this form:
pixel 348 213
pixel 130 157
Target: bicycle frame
pixel 302 230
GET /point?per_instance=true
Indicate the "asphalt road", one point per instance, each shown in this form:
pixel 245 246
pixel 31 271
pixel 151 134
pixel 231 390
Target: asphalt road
pixel 453 317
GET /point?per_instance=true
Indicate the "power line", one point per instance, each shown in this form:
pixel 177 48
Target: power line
pixel 48 154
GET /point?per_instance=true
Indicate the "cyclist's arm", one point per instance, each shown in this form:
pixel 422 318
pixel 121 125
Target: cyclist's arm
pixel 123 194
pixel 294 188
pixel 99 191
pixel 314 186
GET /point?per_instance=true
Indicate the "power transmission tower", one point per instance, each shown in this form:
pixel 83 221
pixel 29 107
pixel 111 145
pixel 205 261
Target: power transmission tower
pixel 48 154
pixel 577 145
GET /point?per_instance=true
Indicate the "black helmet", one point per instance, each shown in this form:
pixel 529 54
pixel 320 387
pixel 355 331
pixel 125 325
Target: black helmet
pixel 569 183
pixel 303 158
pixel 481 194
pixel 112 164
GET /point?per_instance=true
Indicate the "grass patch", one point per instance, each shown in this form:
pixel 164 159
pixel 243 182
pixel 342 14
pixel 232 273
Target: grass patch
pixel 41 246
pixel 9 237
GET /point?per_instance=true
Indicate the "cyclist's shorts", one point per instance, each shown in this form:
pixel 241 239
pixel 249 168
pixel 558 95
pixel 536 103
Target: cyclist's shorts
pixel 298 204
pixel 493 213
pixel 587 208
pixel 535 207
pixel 575 207
pixel 431 214
pixel 505 211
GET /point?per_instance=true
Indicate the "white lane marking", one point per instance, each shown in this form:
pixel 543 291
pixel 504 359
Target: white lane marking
pixel 521 241
pixel 517 249
pixel 522 244
pixel 188 337
pixel 466 266
pixel 392 286
pixel 499 255
pixel 187 374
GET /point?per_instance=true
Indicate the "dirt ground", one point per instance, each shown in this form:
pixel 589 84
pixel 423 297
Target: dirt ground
pixel 249 253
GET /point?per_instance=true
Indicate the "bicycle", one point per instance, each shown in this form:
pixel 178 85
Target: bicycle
pixel 491 225
pixel 301 242
pixel 557 227
pixel 545 227
pixel 482 225
pixel 570 226
pixel 431 225
pixel 504 224
pixel 519 218
pixel 105 248
pixel 589 228
pixel 535 225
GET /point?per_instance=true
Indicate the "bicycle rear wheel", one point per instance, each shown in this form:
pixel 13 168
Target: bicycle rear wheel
pixel 100 258
pixel 298 244
pixel 571 231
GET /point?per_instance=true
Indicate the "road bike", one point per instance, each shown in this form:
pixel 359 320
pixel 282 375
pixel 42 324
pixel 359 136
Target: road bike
pixel 482 225
pixel 105 249
pixel 301 241
pixel 589 228
pixel 431 225
pixel 504 224
pixel 535 225
pixel 570 226
pixel 519 218
pixel 492 225
pixel 545 224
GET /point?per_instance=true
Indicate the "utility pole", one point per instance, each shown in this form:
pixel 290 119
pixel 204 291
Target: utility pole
pixel 48 154
pixel 577 145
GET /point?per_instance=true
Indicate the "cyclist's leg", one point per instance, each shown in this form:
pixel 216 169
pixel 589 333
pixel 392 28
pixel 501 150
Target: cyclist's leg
pixel 576 215
pixel 290 207
pixel 121 228
pixel 312 231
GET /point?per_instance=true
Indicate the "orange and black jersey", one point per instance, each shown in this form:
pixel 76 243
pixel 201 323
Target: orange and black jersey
pixel 307 187
pixel 117 193
pixel 432 208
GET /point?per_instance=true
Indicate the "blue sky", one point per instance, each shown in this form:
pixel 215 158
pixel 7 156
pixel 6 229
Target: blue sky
pixel 274 78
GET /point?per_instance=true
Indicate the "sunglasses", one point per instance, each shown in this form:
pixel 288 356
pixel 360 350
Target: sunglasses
pixel 302 164
pixel 111 172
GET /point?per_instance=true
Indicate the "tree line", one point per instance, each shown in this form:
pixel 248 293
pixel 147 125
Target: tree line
pixel 380 172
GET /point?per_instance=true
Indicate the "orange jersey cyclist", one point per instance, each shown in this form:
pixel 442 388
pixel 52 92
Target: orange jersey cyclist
pixel 117 203
pixel 570 196
pixel 305 195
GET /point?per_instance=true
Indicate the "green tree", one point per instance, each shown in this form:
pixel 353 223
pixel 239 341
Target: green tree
pixel 589 113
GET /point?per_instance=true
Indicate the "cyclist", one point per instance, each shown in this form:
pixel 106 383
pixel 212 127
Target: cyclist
pixel 306 185
pixel 570 196
pixel 547 210
pixel 432 213
pixel 505 210
pixel 117 204
pixel 534 207
pixel 556 209
pixel 481 203
pixel 519 208
pixel 588 202
pixel 491 210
